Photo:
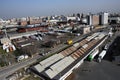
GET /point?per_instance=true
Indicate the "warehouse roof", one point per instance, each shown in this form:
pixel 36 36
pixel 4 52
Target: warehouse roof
pixel 62 62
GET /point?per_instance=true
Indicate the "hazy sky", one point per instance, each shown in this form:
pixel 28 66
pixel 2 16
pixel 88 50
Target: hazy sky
pixel 23 8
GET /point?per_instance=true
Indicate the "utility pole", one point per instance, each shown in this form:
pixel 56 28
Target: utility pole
pixel 6 33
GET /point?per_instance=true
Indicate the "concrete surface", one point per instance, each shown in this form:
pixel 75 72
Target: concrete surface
pixel 97 71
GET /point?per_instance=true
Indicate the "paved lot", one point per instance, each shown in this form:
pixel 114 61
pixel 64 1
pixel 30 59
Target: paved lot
pixel 105 70
pixel 97 71
pixel 11 69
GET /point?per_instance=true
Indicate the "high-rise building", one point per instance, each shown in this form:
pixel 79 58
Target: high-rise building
pixel 93 19
pixel 104 18
pixel 89 20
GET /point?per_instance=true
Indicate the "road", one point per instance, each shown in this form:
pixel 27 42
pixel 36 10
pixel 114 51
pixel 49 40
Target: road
pixel 12 68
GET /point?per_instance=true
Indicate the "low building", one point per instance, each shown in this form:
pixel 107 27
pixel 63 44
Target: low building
pixel 7 45
pixel 23 23
pixel 34 22
pixel 4 40
pixel 84 30
pixel 52 21
pixel 95 20
pixel 71 18
pixel 12 77
pixel 114 20
pixel 51 43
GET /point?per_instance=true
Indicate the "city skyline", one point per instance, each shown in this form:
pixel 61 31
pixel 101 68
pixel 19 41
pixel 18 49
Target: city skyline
pixel 23 8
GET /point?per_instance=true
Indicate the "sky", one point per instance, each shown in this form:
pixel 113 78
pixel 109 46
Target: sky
pixel 24 8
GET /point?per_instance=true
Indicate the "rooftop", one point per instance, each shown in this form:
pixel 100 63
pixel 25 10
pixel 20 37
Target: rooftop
pixel 57 65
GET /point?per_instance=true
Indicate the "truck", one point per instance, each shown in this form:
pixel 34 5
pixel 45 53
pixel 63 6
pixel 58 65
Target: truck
pixel 22 57
pixel 69 42
pixel 101 55
pixel 93 54
pixel 106 47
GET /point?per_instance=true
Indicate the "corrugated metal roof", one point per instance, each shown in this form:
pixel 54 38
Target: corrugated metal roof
pixel 68 51
pixel 47 62
pixel 62 53
pixel 76 45
pixel 73 56
pixel 81 51
pixel 39 68
pixel 66 60
pixel 76 54
pixel 59 66
pixel 78 51
pixel 50 73
pixel 92 36
pixel 85 46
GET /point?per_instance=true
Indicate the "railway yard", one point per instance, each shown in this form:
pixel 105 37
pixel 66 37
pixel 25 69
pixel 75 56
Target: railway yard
pixel 58 54
pixel 59 40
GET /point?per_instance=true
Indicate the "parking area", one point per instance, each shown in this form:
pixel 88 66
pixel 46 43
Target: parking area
pixel 97 71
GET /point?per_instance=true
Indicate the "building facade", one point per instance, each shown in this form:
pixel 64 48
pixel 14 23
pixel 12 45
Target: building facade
pixel 104 18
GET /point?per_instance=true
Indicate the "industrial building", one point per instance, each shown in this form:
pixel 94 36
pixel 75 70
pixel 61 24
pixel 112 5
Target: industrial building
pixel 97 19
pixel 61 65
pixel 84 29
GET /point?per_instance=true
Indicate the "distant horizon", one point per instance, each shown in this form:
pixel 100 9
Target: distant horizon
pixel 23 8
pixel 49 15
